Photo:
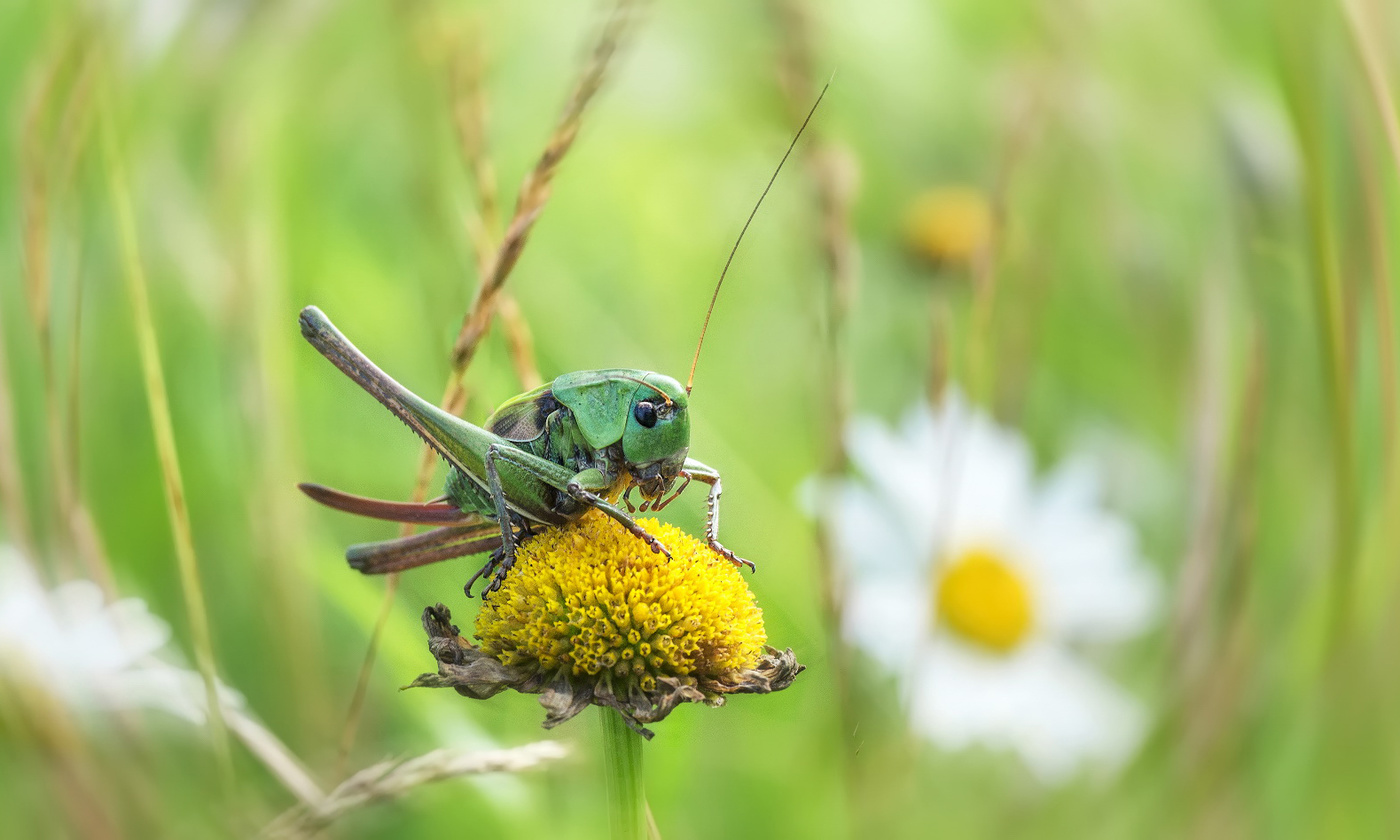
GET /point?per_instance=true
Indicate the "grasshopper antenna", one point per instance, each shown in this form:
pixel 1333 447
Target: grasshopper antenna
pixel 647 384
pixel 690 380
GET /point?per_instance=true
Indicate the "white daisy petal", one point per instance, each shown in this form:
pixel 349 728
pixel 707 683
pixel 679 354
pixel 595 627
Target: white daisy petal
pixel 899 474
pixel 89 654
pixel 991 487
pixel 141 632
pixel 874 540
pixel 1095 584
pixel 888 619
pixel 156 685
pixel 1058 715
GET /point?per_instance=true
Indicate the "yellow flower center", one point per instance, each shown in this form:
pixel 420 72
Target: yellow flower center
pixel 950 225
pixel 984 600
pixel 594 598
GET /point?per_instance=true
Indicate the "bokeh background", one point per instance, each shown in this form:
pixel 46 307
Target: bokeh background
pixel 1189 274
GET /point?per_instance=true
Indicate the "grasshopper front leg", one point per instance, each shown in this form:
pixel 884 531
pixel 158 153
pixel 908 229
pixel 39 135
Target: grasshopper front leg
pixel 584 487
pixel 709 475
pixel 580 492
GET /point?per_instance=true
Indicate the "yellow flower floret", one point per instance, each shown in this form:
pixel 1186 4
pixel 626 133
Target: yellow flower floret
pixel 985 600
pixel 593 597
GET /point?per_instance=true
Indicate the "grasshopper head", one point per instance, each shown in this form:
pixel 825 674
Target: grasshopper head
pixel 657 436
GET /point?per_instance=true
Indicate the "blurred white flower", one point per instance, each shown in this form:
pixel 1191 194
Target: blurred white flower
pixel 89 654
pixel 979 586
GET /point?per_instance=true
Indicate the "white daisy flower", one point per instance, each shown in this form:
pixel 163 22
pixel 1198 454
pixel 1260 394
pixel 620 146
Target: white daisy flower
pixel 979 587
pixel 89 654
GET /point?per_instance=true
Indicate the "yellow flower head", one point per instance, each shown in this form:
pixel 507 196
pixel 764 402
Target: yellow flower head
pixel 589 613
pixel 593 598
pixel 949 226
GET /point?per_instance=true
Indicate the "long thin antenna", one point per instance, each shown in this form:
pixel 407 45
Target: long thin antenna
pixel 690 380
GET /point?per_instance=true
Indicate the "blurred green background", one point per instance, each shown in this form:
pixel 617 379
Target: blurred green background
pixel 1195 204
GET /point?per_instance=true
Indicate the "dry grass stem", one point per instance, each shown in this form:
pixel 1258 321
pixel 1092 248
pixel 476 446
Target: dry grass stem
pixel 1372 61
pixel 1302 85
pixel 519 341
pixel 534 192
pixel 470 115
pixel 832 172
pixel 1197 580
pixel 1210 617
pixel 940 347
pixel 987 269
pixel 11 486
pixel 54 130
pixel 392 779
pixel 1215 691
pixel 1383 302
pixel 274 755
pixel 1370 56
pixel 158 404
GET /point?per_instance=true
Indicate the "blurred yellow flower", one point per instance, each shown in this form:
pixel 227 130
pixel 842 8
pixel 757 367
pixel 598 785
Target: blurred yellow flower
pixel 589 614
pixel 949 226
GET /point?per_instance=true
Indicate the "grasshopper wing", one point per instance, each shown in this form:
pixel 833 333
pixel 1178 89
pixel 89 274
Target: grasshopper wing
pixel 522 419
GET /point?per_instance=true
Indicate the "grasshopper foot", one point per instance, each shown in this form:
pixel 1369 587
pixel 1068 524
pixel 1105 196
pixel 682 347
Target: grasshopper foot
pixel 489 569
pixel 729 555
pixel 656 546
pixel 495 569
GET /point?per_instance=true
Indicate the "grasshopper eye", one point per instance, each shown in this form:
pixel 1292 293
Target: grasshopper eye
pixel 645 413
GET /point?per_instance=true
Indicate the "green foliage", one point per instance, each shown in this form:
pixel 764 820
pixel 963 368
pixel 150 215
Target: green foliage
pixel 1196 206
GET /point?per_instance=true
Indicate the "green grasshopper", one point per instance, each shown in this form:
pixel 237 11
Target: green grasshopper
pixel 543 458
pixel 585 440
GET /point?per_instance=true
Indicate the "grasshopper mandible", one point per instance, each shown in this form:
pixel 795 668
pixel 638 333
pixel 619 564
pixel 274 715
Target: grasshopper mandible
pixel 585 440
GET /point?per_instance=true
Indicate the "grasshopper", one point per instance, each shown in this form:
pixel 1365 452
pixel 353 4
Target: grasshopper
pixel 543 458
pixel 584 441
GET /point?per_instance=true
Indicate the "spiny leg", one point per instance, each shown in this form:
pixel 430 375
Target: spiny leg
pixel 706 475
pixel 503 515
pixel 494 572
pixel 592 499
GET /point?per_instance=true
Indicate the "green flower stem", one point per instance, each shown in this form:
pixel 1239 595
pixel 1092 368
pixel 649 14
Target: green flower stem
pixel 622 757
